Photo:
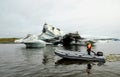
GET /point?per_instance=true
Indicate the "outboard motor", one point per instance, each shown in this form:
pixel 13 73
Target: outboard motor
pixel 99 53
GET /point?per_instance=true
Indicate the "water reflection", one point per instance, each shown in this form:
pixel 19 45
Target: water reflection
pixel 89 67
pixel 69 62
pixel 72 47
pixel 48 55
pixel 17 61
pixel 89 64
pixel 32 55
pixel 40 55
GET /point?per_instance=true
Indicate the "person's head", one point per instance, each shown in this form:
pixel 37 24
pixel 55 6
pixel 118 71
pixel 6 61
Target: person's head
pixel 88 43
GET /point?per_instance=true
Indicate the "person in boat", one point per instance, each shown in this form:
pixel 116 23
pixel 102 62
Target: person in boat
pixel 89 46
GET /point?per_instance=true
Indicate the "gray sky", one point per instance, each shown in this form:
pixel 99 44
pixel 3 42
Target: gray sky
pixel 89 17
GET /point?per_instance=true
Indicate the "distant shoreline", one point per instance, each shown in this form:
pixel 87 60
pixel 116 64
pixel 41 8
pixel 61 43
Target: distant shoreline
pixel 7 40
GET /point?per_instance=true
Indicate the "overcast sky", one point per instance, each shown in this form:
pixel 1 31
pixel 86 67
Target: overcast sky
pixel 89 17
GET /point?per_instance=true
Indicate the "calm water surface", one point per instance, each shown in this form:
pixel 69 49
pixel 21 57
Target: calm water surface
pixel 17 61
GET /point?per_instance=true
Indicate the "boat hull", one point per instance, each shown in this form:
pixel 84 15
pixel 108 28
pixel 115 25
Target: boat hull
pixel 34 45
pixel 78 56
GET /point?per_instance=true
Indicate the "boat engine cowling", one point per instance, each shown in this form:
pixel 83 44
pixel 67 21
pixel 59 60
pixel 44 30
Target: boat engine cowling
pixel 99 53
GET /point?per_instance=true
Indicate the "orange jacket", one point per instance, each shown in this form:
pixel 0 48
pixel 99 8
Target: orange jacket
pixel 89 46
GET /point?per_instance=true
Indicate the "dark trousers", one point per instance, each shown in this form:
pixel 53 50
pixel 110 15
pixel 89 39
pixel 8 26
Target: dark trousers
pixel 88 50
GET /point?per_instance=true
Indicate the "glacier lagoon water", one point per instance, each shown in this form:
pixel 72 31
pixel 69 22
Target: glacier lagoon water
pixel 18 61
